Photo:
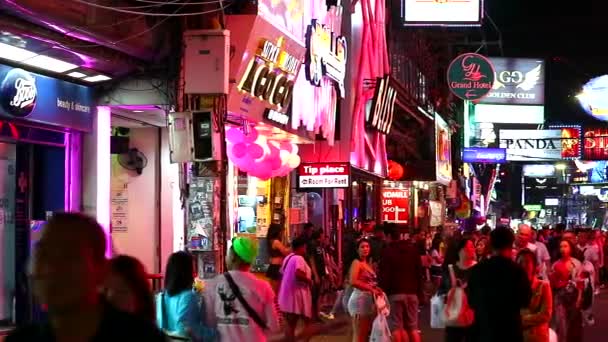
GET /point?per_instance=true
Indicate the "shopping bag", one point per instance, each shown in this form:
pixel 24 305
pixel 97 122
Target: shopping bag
pixel 380 330
pixel 458 313
pixel 438 312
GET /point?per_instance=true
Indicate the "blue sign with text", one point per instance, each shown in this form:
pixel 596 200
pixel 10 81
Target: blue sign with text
pixel 44 99
pixel 484 155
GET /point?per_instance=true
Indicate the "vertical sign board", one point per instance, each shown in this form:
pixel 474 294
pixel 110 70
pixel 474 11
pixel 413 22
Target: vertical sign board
pixel 443 151
pixel 395 205
pixel 380 115
pixel 470 76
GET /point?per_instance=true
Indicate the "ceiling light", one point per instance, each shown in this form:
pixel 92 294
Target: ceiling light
pixel 76 74
pixel 138 111
pixel 49 63
pixel 14 53
pixel 97 78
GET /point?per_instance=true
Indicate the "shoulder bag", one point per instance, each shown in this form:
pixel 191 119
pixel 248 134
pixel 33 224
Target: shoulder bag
pixel 170 336
pixel 250 311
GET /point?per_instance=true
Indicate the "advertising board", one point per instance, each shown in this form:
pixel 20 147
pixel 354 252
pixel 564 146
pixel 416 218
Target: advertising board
pixel 323 175
pixel 544 144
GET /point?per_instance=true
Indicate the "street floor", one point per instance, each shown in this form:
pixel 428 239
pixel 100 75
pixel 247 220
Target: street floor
pixel 339 329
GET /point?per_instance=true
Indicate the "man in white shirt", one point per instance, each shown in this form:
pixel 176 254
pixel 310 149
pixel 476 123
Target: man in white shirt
pixel 227 312
pixel 526 240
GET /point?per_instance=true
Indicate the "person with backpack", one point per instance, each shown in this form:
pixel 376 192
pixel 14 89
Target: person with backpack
pixel 459 261
pixel 238 304
pixel 497 290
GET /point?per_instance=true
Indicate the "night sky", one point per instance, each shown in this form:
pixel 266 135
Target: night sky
pixel 572 37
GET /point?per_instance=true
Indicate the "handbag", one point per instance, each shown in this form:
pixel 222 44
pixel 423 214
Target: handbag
pixel 250 311
pixel 458 313
pixel 171 337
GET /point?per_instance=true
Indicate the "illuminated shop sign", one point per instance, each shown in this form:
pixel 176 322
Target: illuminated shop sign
pixel 443 148
pixel 484 155
pixel 595 144
pixel 281 119
pixel 395 205
pixel 324 175
pixel 539 170
pixel 547 144
pixel 511 114
pixel 518 81
pixel 380 116
pixel 44 99
pixel 326 55
pixel 470 76
pixel 441 12
pixel 270 75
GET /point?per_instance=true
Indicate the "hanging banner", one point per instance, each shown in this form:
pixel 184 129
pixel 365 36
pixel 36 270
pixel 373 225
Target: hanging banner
pixel 543 144
pixel 441 12
pixel 470 76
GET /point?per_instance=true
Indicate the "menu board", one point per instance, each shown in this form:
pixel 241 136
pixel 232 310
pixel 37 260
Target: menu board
pixel 201 213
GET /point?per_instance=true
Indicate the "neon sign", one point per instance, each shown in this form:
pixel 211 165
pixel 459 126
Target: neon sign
pixel 270 75
pixel 326 55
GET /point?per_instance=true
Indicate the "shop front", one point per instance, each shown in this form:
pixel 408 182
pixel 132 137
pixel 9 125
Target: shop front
pixel 261 140
pixel 41 123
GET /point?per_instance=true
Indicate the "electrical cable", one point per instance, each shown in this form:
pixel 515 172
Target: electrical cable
pixel 152 14
pixel 159 5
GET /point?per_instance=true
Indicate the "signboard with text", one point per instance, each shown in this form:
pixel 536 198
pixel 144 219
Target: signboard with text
pixel 380 115
pixel 518 81
pixel 326 56
pixel 323 175
pixel 43 99
pixel 470 76
pixel 484 155
pixel 595 144
pixel 442 12
pixel 395 205
pixel 543 144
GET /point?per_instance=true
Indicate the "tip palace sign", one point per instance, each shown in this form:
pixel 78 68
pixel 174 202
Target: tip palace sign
pixel 470 76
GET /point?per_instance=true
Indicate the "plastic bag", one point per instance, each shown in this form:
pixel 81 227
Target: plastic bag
pixel 438 312
pixel 380 330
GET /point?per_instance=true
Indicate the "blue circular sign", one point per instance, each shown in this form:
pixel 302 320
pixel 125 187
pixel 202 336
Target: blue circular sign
pixel 18 93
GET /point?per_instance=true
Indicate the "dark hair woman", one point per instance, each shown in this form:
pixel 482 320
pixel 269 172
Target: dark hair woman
pixel 177 308
pixel 567 287
pixel 277 252
pixel 535 318
pixel 127 287
pixel 460 256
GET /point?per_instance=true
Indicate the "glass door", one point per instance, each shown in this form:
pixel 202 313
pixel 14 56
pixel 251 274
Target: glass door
pixel 7 232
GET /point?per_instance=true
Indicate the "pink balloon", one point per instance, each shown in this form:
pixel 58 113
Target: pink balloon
pixel 239 150
pixel 274 162
pixel 252 136
pixel 235 135
pixel 274 151
pixel 255 151
pixel 286 146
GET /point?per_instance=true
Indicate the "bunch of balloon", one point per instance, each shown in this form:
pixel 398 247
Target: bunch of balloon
pixel 259 156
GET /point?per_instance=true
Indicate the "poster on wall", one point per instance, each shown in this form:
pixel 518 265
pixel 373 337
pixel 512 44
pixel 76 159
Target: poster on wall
pixel 443 151
pixel 201 214
pixel 395 205
pixel 542 144
pixel 518 81
pixel 437 213
pixel 119 199
pixel 442 13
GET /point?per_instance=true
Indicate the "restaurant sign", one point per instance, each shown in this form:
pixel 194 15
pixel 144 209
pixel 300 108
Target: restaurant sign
pixel 470 76
pixel 323 175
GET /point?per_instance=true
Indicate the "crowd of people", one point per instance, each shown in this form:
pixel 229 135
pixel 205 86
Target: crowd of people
pixel 493 285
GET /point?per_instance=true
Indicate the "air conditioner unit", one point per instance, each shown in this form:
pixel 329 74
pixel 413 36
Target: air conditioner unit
pixel 207 61
pixel 193 137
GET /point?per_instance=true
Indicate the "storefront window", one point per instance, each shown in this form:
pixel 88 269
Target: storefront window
pixel 253 214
